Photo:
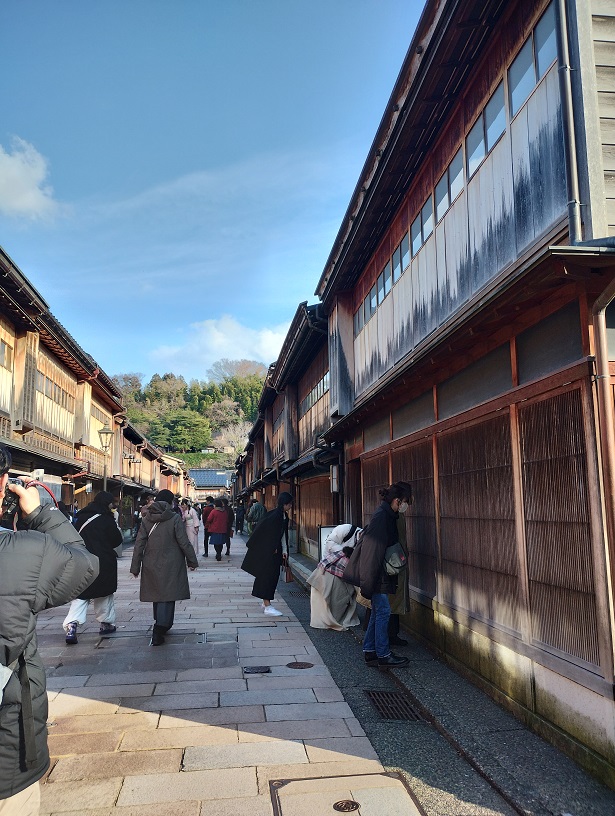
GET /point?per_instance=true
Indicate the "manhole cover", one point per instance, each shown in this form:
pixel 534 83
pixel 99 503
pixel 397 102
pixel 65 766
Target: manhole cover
pixel 393 705
pixel 346 806
pixel 299 665
pixel 256 669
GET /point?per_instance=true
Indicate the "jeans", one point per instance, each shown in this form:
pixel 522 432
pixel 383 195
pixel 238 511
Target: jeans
pixel 377 634
pixel 164 614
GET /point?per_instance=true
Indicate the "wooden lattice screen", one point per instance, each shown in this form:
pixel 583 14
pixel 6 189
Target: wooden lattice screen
pixel 557 525
pixel 375 476
pixel 479 556
pixel 414 464
pixel 315 507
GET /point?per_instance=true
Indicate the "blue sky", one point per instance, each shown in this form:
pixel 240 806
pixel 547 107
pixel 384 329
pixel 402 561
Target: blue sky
pixel 173 172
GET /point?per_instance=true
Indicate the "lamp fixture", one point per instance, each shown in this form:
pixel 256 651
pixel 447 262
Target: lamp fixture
pixel 106 434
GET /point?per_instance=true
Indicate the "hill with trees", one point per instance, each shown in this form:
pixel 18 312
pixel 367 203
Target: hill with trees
pixel 185 418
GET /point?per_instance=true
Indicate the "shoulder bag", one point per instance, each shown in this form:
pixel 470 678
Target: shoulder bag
pixel 394 559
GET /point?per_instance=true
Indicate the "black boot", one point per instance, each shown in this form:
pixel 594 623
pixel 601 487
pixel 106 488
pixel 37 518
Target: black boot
pixel 157 636
pixel 394 638
pixel 371 658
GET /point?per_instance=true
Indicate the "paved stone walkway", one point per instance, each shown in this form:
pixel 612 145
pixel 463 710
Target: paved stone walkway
pixel 185 728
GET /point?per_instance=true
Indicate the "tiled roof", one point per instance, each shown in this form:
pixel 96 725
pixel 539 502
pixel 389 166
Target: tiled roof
pixel 205 477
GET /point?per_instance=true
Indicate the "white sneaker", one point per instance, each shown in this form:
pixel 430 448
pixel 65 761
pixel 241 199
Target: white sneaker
pixel 270 610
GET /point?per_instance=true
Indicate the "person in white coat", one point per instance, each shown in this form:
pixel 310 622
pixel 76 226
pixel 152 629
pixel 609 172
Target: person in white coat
pixel 332 601
pixel 191 522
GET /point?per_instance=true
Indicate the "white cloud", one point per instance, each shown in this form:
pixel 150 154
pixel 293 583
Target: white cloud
pixel 23 189
pixel 211 340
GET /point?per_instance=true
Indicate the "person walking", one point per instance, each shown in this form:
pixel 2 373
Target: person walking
pixel 96 526
pixel 42 566
pixel 263 559
pixel 231 521
pixel 162 551
pixel 207 508
pixel 365 569
pixel 256 512
pixel 191 522
pixel 217 526
pixel 240 514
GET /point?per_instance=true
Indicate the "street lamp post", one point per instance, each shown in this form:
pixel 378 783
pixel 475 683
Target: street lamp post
pixel 105 434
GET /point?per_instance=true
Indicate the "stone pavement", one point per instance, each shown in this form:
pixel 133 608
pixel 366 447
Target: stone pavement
pixel 185 728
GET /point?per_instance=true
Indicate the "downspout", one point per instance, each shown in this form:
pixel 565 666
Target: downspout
pixel 570 147
pixel 606 419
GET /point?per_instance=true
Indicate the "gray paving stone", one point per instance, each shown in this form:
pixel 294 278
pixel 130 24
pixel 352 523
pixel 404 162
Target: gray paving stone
pixel 307 711
pixel 222 783
pixel 244 755
pixel 164 702
pixel 267 697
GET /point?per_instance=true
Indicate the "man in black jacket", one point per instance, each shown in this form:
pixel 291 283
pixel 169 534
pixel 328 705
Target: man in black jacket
pixel 43 566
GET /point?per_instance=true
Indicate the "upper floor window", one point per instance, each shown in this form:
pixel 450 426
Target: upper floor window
pixel 318 391
pixel 486 130
pixel 422 226
pixel 533 61
pixel 450 185
pixel 6 355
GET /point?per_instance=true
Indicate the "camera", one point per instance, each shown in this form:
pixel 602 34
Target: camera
pixel 10 502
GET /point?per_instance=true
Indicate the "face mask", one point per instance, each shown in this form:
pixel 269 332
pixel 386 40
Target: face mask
pixel 403 507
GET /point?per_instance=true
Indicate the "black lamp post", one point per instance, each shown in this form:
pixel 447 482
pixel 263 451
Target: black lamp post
pixel 105 433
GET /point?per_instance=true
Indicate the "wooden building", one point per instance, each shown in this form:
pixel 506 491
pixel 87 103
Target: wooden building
pixel 469 294
pixel 54 401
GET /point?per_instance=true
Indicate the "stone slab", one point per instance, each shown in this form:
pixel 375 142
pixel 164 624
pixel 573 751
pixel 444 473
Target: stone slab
pixel 244 755
pixel 110 722
pixel 316 769
pixel 267 697
pixel 174 809
pixel 154 740
pixel 222 783
pixel 212 716
pixel 200 686
pixel 66 704
pixel 119 763
pixel 78 744
pixel 307 711
pixel 57 797
pixel 229 673
pixel 165 702
pixel 293 730
pixel 339 749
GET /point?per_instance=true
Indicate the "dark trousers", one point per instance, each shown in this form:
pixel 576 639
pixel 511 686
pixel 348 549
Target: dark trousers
pixel 164 614
pixel 206 542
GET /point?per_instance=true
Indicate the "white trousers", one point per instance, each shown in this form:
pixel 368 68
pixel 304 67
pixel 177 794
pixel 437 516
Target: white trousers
pixel 104 610
pixel 25 803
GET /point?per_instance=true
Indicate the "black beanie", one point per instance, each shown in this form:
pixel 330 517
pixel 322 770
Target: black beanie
pixel 165 496
pixel 104 498
pixel 284 498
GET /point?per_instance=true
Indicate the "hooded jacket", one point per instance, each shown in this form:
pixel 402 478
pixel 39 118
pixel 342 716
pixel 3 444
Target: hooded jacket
pixel 44 566
pixel 101 536
pixel 161 554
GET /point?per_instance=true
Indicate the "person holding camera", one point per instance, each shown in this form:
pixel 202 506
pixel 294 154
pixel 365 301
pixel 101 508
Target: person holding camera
pixel 43 566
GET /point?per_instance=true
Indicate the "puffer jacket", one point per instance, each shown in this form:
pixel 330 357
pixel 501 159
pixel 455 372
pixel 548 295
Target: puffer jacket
pixel 161 555
pixel 46 565
pixel 365 568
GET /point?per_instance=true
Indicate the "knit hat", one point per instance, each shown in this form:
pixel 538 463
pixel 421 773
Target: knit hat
pixel 284 498
pixel 165 496
pixel 104 498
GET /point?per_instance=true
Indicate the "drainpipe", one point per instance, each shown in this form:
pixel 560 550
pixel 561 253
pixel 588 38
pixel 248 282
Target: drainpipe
pixel 606 420
pixel 570 147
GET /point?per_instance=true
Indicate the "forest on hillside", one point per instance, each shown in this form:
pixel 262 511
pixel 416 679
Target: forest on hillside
pixel 185 418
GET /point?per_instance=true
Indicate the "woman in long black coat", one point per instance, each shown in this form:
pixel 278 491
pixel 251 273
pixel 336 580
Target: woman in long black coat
pixel 101 535
pixel 264 557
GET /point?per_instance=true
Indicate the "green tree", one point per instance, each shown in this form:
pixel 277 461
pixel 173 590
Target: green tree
pixel 188 431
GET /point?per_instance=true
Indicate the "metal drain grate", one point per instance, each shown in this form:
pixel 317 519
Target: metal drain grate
pixel 393 705
pixel 299 593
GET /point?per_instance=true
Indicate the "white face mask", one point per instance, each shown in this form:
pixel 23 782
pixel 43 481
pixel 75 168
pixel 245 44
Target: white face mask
pixel 403 507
